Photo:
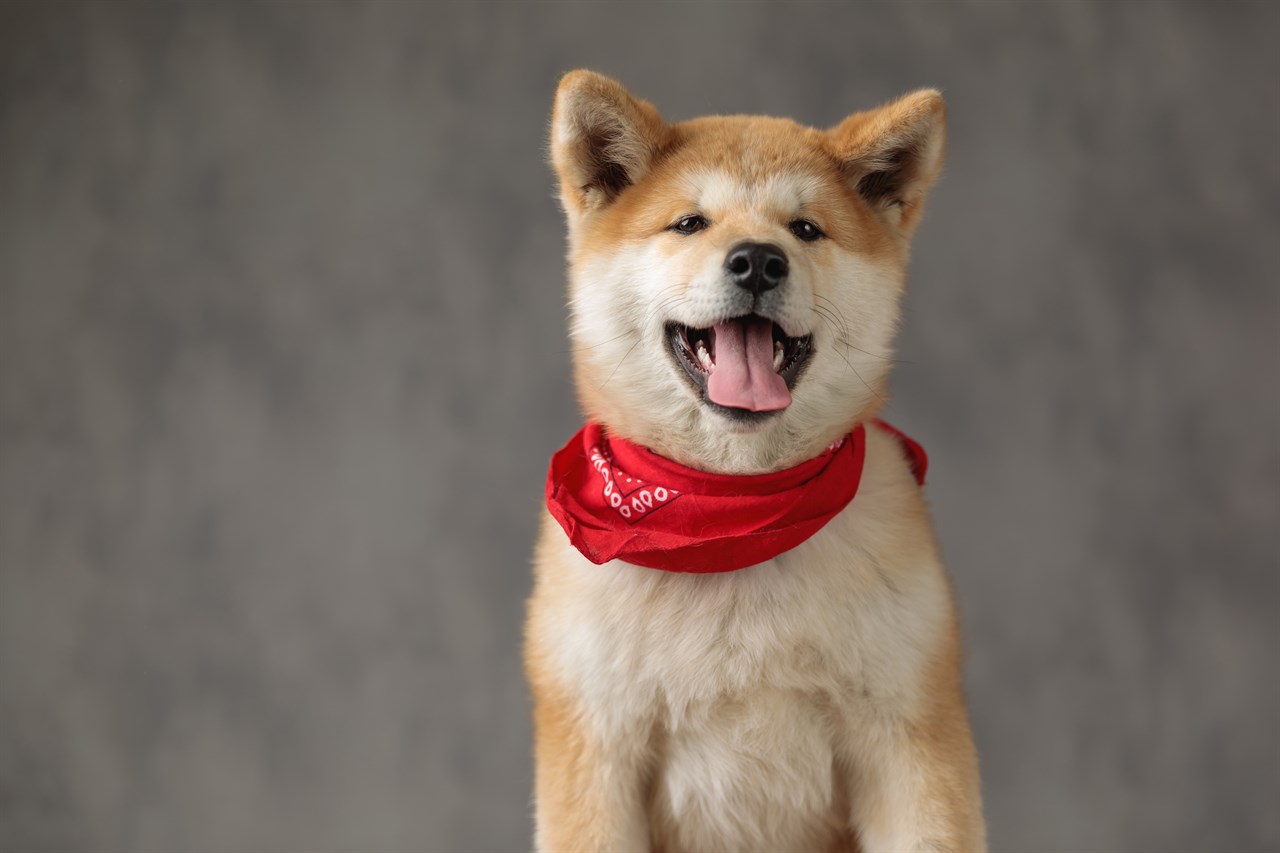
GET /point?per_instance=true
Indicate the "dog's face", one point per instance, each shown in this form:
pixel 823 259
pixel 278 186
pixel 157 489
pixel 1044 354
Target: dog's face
pixel 734 281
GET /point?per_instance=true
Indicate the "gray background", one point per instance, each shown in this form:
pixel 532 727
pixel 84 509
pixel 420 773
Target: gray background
pixel 282 361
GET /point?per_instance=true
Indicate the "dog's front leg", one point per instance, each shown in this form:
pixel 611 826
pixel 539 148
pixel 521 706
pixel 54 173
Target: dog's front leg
pixel 915 777
pixel 589 794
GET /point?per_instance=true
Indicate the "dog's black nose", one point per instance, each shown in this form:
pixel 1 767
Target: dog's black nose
pixel 756 266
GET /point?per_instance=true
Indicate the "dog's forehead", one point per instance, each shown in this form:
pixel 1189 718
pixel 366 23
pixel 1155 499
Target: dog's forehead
pixel 751 162
pixel 724 189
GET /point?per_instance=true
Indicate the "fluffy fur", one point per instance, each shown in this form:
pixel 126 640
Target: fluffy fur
pixel 812 702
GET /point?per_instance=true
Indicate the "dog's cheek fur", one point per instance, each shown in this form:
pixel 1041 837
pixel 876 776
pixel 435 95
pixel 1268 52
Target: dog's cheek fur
pixel 621 359
pixel 858 311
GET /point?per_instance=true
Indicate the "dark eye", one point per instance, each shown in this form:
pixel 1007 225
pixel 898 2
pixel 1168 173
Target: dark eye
pixel 804 230
pixel 690 224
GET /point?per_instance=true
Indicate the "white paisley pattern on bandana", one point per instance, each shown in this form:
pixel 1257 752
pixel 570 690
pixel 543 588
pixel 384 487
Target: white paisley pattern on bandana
pixel 636 499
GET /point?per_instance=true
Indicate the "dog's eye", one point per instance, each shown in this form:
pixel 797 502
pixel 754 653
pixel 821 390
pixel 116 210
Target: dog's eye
pixel 690 224
pixel 805 230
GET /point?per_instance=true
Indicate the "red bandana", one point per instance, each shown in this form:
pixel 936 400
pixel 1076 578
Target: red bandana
pixel 619 501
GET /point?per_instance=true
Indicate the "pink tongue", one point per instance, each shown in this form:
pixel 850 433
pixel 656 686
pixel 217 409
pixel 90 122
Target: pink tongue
pixel 743 376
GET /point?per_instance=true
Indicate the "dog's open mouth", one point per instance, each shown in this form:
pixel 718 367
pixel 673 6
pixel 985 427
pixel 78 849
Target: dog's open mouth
pixel 747 364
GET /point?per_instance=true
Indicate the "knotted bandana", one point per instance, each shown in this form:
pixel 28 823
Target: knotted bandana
pixel 619 501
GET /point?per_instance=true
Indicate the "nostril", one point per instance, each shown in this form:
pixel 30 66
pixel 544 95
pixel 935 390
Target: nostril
pixel 775 269
pixel 739 264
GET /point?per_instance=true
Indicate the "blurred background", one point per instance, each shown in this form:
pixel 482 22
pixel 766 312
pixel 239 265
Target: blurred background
pixel 282 360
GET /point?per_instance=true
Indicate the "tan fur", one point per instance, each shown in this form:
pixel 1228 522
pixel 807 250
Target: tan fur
pixel 811 702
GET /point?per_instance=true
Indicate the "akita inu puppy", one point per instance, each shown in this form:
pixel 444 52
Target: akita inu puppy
pixel 728 648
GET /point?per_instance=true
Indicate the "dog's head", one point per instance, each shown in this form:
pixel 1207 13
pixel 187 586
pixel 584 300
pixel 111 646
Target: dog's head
pixel 734 281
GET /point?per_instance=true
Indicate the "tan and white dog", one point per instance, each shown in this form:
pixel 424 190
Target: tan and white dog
pixel 813 701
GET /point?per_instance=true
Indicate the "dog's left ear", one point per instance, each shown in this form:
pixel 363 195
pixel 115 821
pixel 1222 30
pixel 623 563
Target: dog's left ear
pixel 603 140
pixel 892 155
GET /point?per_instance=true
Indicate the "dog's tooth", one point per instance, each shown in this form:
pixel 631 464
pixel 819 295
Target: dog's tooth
pixel 704 356
pixel 777 355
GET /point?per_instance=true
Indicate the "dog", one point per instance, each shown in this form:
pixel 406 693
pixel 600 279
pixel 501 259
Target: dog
pixel 728 648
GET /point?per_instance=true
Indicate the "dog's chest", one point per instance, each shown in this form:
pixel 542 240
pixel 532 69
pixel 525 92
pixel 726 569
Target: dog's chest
pixel 748 772
pixel 741 686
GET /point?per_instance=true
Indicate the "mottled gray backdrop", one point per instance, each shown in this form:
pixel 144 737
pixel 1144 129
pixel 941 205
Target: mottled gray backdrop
pixel 282 360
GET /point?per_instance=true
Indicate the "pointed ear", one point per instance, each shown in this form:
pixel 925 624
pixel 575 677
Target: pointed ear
pixel 602 140
pixel 892 155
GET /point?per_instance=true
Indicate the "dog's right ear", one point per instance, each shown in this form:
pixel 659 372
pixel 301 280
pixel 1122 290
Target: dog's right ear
pixel 602 140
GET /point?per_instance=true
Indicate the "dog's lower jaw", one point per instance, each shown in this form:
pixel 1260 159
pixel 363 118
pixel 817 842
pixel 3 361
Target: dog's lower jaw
pixel 738 421
pixel 712 444
pixel 700 438
pixel 691 433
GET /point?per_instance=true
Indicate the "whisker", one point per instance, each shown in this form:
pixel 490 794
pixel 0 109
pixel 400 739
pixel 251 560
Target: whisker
pixel 869 388
pixel 826 315
pixel 829 318
pixel 624 358
pixel 888 358
pixel 602 343
pixel 844 321
pixel 668 302
pixel 842 332
pixel 665 304
pixel 860 379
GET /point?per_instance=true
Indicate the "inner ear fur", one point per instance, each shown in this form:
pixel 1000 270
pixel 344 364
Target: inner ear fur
pixel 603 140
pixel 892 155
